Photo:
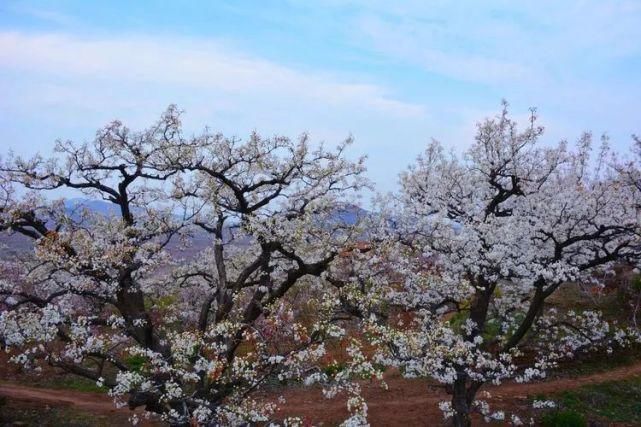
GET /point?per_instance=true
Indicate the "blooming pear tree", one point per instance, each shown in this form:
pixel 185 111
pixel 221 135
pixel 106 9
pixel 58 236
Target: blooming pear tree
pixel 128 300
pixel 631 170
pixel 479 244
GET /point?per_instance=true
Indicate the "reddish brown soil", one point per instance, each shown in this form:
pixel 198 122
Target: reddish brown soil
pixel 415 402
pixel 86 401
pixel 92 403
pixel 405 403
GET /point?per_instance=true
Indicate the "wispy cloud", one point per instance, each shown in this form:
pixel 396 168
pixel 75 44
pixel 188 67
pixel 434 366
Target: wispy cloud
pixel 393 74
pixel 496 42
pixel 414 43
pixel 46 15
pixel 196 63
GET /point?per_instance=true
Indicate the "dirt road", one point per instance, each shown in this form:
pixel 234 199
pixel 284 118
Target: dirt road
pixel 404 403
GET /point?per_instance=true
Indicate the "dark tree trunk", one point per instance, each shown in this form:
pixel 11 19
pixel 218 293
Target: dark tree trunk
pixel 463 392
pixel 460 402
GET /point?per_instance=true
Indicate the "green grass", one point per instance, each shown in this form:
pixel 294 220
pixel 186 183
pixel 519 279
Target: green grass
pixel 617 401
pixel 598 362
pixel 563 418
pixel 70 382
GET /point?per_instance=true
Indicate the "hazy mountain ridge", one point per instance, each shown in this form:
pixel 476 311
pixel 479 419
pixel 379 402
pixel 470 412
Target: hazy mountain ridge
pixel 12 243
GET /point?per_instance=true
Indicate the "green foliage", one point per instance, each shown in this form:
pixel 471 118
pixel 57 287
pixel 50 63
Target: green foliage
pixel 379 367
pixel 563 418
pixel 333 369
pixel 135 362
pixel 539 396
pixel 457 320
pixel 492 330
pixel 162 303
pixel 71 382
pixel 165 302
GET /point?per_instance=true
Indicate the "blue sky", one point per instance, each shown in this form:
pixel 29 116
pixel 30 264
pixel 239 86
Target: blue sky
pixel 392 74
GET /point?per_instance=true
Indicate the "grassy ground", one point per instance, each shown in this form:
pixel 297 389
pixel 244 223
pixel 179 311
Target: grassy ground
pixel 597 362
pixel 615 401
pixel 14 413
pixel 70 382
pixel 596 405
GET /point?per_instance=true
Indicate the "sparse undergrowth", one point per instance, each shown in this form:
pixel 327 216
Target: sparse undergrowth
pixel 597 404
pixel 598 362
pixel 14 413
pixel 563 418
pixel 70 382
pixel 618 401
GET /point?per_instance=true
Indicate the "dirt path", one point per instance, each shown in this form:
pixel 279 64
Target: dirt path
pixel 86 401
pixel 411 403
pixel 548 387
pixel 404 403
pixel 92 403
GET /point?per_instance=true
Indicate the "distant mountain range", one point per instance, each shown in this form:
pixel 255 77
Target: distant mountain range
pixel 75 205
pixel 14 243
pixel 349 214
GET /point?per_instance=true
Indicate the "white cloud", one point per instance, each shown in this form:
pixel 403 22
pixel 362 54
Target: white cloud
pixel 501 42
pixel 415 43
pixel 567 58
pixel 190 63
pixel 66 86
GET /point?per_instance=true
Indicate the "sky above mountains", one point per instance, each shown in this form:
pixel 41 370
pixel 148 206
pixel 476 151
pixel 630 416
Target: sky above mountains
pixel 392 74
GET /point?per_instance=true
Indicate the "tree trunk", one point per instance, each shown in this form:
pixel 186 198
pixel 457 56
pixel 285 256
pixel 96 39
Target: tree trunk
pixel 460 402
pixel 462 395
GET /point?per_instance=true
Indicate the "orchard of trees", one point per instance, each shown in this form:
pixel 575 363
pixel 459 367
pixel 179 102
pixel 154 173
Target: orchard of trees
pixel 448 278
